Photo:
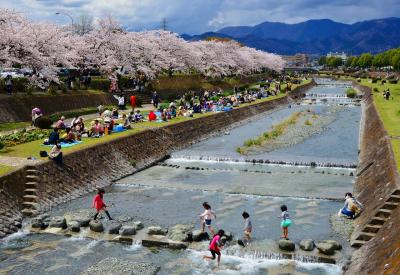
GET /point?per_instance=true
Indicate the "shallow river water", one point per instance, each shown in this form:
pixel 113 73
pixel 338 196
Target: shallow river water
pixel 172 192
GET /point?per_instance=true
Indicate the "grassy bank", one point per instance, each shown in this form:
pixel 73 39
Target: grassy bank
pixel 389 111
pixel 32 149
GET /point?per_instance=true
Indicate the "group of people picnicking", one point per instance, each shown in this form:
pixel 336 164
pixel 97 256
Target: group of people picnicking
pixel 116 119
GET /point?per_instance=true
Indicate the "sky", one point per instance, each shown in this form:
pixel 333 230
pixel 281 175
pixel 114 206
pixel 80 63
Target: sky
pixel 198 16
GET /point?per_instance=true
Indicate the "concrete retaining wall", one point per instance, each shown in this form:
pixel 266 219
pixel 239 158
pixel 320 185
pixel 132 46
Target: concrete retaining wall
pixel 99 165
pixel 18 108
pixel 380 255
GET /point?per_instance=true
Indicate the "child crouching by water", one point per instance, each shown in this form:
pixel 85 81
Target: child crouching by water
pixel 99 204
pixel 215 247
pixel 286 222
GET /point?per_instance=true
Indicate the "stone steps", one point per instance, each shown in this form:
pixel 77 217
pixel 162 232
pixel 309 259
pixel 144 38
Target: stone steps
pixel 383 214
pixel 30 203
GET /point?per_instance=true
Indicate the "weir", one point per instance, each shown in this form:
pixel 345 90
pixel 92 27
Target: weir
pixel 310 177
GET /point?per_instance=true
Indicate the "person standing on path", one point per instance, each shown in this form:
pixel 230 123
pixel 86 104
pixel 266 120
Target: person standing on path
pixel 132 101
pixel 9 84
pixel 155 100
pixel 99 204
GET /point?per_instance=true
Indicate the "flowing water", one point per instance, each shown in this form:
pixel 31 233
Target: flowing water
pixel 310 177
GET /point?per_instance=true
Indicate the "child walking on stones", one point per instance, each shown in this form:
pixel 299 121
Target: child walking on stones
pixel 207 217
pixel 215 246
pixel 99 204
pixel 286 222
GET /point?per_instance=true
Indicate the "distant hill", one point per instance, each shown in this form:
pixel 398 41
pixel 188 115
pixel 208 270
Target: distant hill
pixel 315 36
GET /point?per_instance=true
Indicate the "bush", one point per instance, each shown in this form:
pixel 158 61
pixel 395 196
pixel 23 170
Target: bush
pixel 44 123
pixel 100 84
pixel 23 136
pixel 393 81
pixel 351 93
pixel 383 81
pixel 1 145
pixel 374 80
pixel 375 89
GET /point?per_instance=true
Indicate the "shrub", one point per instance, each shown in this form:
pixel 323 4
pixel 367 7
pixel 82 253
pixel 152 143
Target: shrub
pixel 393 81
pixel 23 136
pixel 383 81
pixel 44 123
pixel 351 93
pixel 1 145
pixel 375 89
pixel 100 84
pixel 139 102
pixel 374 80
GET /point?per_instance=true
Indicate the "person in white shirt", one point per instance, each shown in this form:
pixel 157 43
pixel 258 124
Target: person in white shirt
pixel 207 217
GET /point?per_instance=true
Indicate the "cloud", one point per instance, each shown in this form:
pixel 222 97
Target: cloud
pixel 197 16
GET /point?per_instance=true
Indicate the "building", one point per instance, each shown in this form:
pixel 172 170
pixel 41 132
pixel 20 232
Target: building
pixel 342 55
pixel 297 60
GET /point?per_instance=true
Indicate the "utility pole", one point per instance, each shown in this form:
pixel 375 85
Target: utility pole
pixel 164 24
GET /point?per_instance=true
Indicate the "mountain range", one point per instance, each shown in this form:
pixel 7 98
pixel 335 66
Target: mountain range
pixel 314 36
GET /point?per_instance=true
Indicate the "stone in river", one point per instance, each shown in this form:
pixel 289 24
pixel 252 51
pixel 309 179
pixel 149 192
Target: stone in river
pixel 112 227
pixel 286 245
pixel 74 226
pixel 127 230
pixel 307 245
pixel 58 222
pixel 198 236
pixel 138 225
pixel 156 230
pixel 96 226
pixel 326 248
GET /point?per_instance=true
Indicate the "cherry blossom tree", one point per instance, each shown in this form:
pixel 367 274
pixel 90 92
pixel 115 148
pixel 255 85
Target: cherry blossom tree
pixel 45 47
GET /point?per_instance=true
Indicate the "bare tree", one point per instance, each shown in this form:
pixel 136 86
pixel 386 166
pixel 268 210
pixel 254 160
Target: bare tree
pixel 83 24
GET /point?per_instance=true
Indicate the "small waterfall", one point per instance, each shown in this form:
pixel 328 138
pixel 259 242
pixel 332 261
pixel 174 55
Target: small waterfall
pixel 264 255
pixel 194 158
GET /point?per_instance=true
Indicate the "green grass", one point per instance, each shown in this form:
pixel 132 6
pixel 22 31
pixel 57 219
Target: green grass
pixel 4 169
pixel 277 130
pixel 389 111
pixel 13 125
pixel 351 93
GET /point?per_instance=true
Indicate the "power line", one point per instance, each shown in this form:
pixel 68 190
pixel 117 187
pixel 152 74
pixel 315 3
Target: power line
pixel 164 24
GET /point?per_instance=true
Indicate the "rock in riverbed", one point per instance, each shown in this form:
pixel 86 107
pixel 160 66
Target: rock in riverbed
pixel 286 245
pixel 138 225
pixel 58 222
pixel 328 247
pixel 113 266
pixel 74 226
pixel 307 245
pixel 112 227
pixel 180 233
pixel 127 230
pixel 156 230
pixel 198 236
pixel 96 226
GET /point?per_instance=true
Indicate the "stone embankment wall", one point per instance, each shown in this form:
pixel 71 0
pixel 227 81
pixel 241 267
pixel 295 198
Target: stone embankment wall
pixel 18 108
pixel 378 180
pixel 98 166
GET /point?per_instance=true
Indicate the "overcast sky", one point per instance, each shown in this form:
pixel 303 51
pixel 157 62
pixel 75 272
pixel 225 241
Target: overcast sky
pixel 198 16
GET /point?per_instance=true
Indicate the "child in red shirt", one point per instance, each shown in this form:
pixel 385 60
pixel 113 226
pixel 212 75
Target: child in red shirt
pixel 215 246
pixel 99 204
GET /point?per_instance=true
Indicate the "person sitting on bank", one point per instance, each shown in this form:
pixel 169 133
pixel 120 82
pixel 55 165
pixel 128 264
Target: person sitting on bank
pixel 127 123
pixel 69 136
pixel 97 129
pixel 53 138
pixel 352 207
pixel 152 116
pixel 138 116
pixel 56 154
pixel 61 124
pixel 115 113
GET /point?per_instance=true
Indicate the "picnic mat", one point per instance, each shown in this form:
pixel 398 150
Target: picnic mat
pixel 65 145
